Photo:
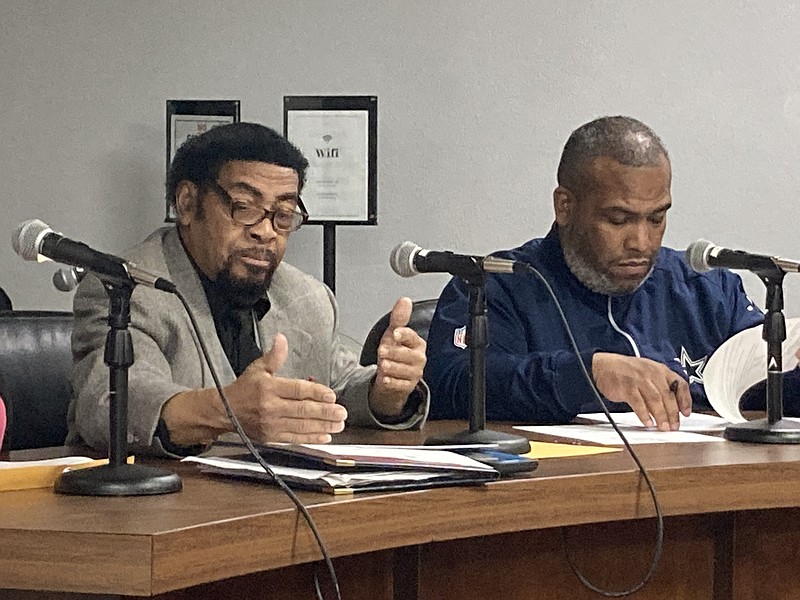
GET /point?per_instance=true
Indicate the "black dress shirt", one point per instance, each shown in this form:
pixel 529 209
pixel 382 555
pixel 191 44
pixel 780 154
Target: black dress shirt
pixel 235 325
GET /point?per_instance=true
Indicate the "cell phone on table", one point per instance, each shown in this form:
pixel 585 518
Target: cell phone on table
pixel 504 462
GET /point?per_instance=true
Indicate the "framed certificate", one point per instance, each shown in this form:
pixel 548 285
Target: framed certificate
pixel 188 118
pixel 339 137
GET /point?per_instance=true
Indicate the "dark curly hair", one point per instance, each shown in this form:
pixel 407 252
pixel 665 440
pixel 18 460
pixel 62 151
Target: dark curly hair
pixel 200 158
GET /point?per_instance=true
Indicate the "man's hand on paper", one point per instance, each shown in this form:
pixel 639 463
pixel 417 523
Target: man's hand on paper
pixel 653 391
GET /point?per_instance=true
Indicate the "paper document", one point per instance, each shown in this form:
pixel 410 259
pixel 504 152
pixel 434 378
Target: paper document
pixel 541 450
pixel 371 455
pixel 28 474
pixel 694 422
pixel 64 462
pixel 740 363
pixel 606 436
pixel 337 482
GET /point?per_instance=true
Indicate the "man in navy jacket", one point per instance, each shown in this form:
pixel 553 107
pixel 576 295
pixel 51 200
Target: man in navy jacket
pixel 644 321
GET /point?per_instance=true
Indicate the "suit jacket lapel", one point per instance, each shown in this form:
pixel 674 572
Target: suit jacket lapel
pixel 183 275
pixel 302 360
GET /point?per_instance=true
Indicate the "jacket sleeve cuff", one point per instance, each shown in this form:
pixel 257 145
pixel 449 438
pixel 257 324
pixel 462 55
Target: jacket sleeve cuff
pixel 572 388
pixel 414 412
pixel 164 446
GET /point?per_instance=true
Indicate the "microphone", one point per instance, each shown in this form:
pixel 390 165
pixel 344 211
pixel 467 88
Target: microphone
pixel 34 238
pixel 408 259
pixel 703 256
pixel 68 278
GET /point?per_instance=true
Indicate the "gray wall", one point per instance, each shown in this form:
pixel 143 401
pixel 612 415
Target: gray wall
pixel 476 100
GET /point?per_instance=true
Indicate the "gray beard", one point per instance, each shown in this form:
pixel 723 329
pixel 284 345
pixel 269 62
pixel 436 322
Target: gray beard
pixel 245 292
pixel 593 279
pixel 242 293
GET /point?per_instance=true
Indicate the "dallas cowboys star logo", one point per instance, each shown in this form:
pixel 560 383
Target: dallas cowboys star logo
pixel 693 368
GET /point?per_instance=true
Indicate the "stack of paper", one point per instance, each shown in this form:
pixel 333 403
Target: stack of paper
pixel 22 475
pixel 740 363
pixel 347 468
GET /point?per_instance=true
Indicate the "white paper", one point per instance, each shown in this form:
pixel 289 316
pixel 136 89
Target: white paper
pixel 183 127
pixel 694 422
pixel 740 363
pixel 428 457
pixel 189 126
pixel 336 144
pixel 606 436
pixel 241 465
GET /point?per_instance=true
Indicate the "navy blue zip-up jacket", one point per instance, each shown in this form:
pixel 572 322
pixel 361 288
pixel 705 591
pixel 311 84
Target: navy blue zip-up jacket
pixel 676 317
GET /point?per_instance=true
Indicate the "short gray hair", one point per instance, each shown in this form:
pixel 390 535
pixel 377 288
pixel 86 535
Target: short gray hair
pixel 623 139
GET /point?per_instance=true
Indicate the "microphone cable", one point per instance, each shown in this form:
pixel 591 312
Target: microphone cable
pixel 264 465
pixel 659 517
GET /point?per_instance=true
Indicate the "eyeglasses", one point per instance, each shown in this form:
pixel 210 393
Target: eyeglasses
pixel 283 220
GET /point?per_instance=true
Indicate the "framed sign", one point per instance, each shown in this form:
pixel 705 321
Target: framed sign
pixel 339 137
pixel 188 118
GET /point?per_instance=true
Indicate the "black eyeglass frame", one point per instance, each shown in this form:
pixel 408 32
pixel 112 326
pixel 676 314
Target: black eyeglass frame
pixel 266 214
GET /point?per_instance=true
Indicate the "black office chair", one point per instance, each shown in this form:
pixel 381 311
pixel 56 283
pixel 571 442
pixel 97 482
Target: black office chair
pixel 420 321
pixel 5 301
pixel 35 361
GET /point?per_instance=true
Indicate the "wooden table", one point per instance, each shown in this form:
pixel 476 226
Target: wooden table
pixel 732 530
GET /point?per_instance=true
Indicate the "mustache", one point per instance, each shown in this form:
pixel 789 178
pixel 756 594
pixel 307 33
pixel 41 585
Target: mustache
pixel 650 257
pixel 639 259
pixel 264 254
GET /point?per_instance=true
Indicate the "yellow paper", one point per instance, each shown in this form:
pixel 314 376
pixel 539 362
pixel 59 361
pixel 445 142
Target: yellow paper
pixel 41 474
pixel 541 450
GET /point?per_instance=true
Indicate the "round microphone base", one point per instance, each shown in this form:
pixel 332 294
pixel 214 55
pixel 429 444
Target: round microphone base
pixel 118 480
pixel 505 442
pixel 761 431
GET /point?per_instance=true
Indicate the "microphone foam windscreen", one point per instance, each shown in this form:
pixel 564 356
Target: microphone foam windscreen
pixel 26 237
pixel 401 259
pixel 696 255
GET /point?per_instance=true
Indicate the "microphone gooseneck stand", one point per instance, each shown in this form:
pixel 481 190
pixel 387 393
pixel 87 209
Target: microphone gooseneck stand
pixel 774 429
pixel 118 478
pixel 477 339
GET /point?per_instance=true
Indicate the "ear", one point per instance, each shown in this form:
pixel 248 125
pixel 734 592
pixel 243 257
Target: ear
pixel 563 205
pixel 186 199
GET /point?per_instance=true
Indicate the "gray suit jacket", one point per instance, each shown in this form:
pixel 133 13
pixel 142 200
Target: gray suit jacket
pixel 167 356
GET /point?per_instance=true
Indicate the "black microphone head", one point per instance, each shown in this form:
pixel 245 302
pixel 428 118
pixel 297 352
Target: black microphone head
pixel 402 259
pixel 697 255
pixel 27 237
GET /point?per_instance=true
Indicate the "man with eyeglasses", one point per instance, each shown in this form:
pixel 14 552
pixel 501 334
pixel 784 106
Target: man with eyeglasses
pixel 272 330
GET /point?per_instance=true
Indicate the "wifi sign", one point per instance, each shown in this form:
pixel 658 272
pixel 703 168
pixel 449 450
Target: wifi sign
pixel 327 152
